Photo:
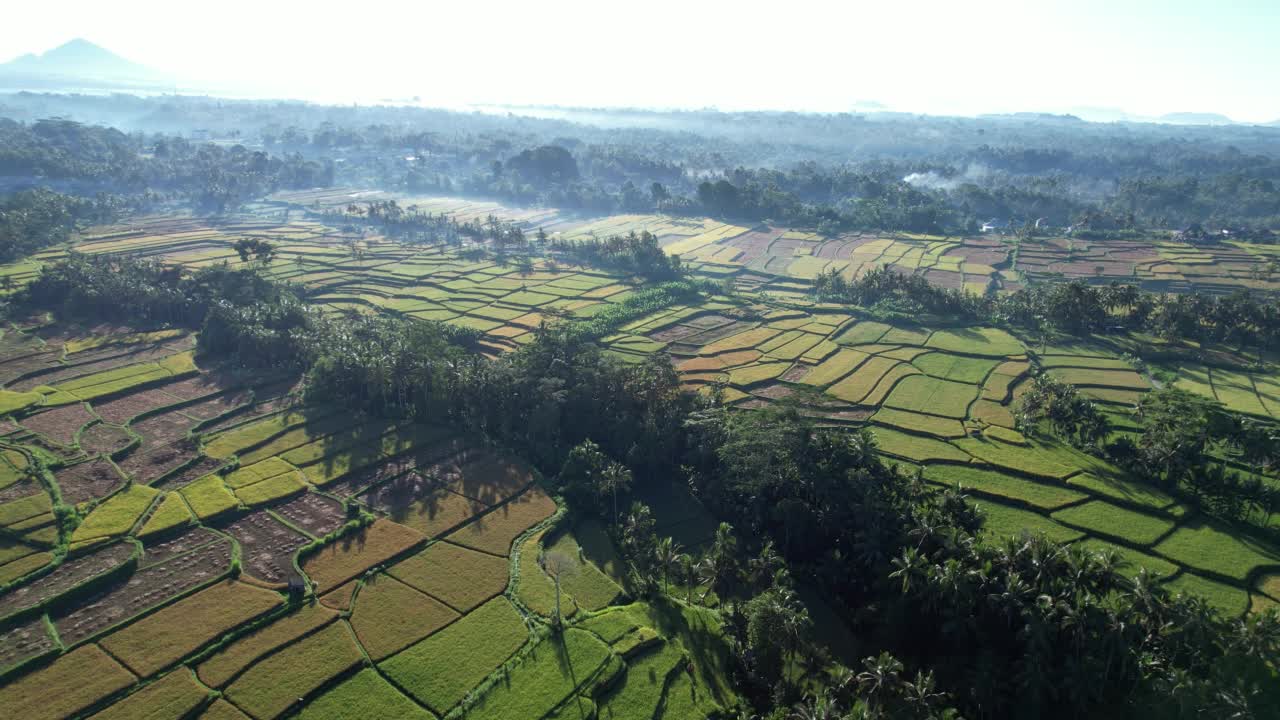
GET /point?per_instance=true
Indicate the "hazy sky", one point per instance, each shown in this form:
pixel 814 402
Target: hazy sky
pixel 1145 56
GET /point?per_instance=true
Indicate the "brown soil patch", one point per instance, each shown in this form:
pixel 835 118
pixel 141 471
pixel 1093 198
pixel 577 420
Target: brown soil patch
pixel 144 589
pixel 23 642
pixel 213 407
pixel 199 386
pixel 675 332
pixel 796 372
pixel 491 479
pixel 10 370
pixel 67 372
pixel 145 467
pixel 123 409
pixel 494 531
pixel 266 546
pixel 101 438
pixel 20 489
pixel 707 322
pixel 64 577
pixel 59 424
pixel 259 409
pixel 193 538
pixel 449 452
pixel 61 452
pixel 190 474
pixel 165 428
pixel 87 481
pixel 313 512
pixel 774 391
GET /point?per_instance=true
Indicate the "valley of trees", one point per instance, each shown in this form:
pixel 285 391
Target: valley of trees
pixel 829 172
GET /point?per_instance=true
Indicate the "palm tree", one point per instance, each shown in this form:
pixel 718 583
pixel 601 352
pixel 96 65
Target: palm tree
pixel 667 554
pixel 688 575
pixel 819 707
pixel 615 477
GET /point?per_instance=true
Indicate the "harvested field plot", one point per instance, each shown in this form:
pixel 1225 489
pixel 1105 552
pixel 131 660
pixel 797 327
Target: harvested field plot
pixel 156 552
pixel 146 467
pixel 120 410
pixel 271 686
pixel 354 554
pixel 184 476
pixel 489 479
pixel 59 424
pixel 442 669
pixel 18 489
pixel 266 546
pixel 144 589
pixel 168 635
pixel 24 641
pixel 390 616
pixel 315 513
pixel 69 685
pixel 67 576
pixel 163 429
pixel 104 439
pixel 460 577
pixel 494 531
pixel 431 512
pixel 88 481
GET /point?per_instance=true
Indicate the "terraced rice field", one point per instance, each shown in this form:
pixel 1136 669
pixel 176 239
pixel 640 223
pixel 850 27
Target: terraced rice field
pixel 175 581
pixel 201 496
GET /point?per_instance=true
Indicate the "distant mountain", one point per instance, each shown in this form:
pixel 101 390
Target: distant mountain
pixel 1100 114
pixel 79 63
pixel 1196 118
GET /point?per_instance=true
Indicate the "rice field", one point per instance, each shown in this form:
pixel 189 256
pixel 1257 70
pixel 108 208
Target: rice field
pixel 167 467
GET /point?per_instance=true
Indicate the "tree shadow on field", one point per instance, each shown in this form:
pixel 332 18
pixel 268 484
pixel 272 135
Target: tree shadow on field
pixel 698 638
pixel 565 660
